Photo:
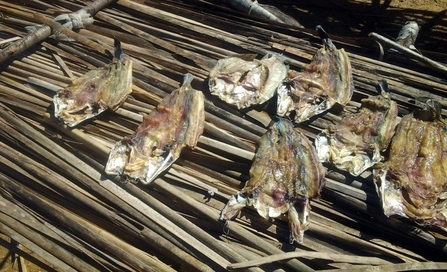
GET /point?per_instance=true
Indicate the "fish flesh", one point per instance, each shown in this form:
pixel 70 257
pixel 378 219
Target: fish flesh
pixel 322 83
pixel 176 122
pixel 356 142
pixel 244 81
pixel 412 183
pixel 284 176
pixel 96 91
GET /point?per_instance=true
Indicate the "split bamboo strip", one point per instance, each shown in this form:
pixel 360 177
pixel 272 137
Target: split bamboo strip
pixel 318 255
pixel 14 250
pixel 198 59
pixel 89 231
pixel 135 192
pixel 69 241
pixel 73 160
pixel 191 228
pixel 6 217
pixel 32 246
pixel 145 198
pixel 91 142
pixel 235 229
pixel 432 64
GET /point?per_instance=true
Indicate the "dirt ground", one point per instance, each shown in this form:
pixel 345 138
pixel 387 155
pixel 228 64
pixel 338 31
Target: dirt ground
pixel 354 18
pixel 10 262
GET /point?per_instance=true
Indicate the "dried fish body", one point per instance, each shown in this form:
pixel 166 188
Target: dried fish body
pixel 263 12
pixel 178 121
pixel 325 81
pixel 355 143
pixel 413 182
pixel 96 91
pixel 284 176
pixel 244 81
pixel 408 34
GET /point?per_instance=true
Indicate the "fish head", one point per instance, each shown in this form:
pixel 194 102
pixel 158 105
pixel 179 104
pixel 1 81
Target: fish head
pixel 94 92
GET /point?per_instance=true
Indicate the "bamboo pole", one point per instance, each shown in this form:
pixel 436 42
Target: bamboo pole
pixel 44 32
pixel 13 249
pixel 89 231
pixel 73 160
pixel 76 263
pixel 241 233
pixel 318 255
pixel 408 52
pixel 30 245
pixel 358 194
pixel 423 266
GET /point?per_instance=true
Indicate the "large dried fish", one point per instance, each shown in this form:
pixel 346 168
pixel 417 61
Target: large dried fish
pixel 355 143
pixel 177 122
pixel 244 81
pixel 325 81
pixel 96 91
pixel 413 182
pixel 284 176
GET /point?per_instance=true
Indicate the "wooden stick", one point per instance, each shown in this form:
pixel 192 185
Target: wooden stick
pixel 88 231
pixel 422 266
pixel 241 233
pixel 191 228
pixel 408 52
pixel 35 248
pixel 15 250
pixel 46 244
pixel 340 258
pixel 135 202
pixel 226 148
pixel 44 32
pixel 198 59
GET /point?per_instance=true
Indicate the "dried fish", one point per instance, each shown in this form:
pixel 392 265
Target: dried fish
pixel 284 176
pixel 96 91
pixel 408 34
pixel 355 143
pixel 244 81
pixel 413 182
pixel 263 12
pixel 178 121
pixel 325 81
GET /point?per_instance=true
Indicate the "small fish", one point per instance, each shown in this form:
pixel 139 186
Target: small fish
pixel 355 143
pixel 244 81
pixel 408 34
pixel 178 121
pixel 322 83
pixel 284 176
pixel 412 183
pixel 96 91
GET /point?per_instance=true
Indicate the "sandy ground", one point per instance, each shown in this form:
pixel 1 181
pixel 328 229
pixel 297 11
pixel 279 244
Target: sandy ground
pixel 347 18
